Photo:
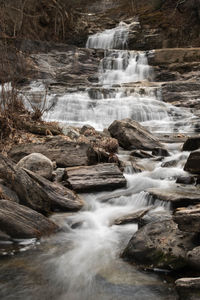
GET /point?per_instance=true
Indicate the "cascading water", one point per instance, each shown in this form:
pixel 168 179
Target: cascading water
pixel 82 261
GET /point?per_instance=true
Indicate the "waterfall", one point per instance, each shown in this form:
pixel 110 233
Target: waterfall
pixel 115 38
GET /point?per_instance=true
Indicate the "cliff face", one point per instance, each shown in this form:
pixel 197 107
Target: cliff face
pixel 169 23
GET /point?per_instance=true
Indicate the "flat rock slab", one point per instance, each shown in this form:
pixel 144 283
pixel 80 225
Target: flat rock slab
pixel 58 148
pixel 188 219
pixel 188 288
pixel 177 195
pixel 18 221
pixel 99 177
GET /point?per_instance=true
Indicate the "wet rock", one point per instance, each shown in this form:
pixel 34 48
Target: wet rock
pixel 169 164
pixel 154 216
pixel 188 219
pixel 95 178
pixel 160 152
pixel 192 143
pixel 177 195
pixel 188 288
pixel 132 217
pixel 60 149
pixel 193 257
pixel 37 163
pixel 186 180
pixel 131 135
pixel 159 244
pixel 37 192
pixel 141 154
pixel 18 221
pixel 193 163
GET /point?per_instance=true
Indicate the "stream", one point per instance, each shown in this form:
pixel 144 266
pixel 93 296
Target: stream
pixel 82 261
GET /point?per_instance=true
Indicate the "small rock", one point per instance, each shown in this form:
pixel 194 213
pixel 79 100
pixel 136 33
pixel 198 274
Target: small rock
pixel 160 152
pixel 141 154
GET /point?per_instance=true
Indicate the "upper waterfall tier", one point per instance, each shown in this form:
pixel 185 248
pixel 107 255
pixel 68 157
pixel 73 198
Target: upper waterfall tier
pixel 123 66
pixel 115 38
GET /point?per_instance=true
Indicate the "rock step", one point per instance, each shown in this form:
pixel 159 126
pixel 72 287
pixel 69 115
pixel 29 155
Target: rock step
pixel 99 177
pixel 177 195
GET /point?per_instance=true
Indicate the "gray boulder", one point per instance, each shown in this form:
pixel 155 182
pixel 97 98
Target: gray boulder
pixel 37 163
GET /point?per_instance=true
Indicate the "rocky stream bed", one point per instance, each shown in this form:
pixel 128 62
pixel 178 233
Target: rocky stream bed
pixel 109 206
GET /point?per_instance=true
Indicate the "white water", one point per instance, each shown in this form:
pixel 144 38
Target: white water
pixel 84 258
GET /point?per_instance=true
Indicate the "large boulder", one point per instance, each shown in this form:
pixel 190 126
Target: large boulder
pixel 95 178
pixel 37 163
pixel 19 222
pixel 160 244
pixel 193 162
pixel 37 192
pixel 131 135
pixel 188 219
pixel 57 148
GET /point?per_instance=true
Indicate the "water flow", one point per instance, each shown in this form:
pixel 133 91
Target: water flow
pixel 115 38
